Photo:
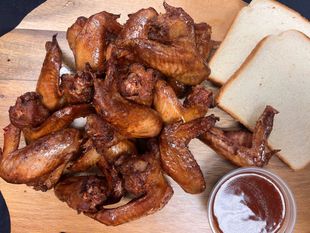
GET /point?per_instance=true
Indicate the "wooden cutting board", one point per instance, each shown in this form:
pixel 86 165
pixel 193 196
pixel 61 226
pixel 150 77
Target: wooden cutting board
pixel 21 56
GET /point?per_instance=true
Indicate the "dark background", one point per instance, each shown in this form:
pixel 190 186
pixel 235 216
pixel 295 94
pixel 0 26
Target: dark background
pixel 13 11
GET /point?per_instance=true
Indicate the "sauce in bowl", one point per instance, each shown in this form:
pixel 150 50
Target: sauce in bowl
pixel 249 202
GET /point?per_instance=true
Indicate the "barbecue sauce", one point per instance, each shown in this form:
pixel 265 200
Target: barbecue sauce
pixel 248 202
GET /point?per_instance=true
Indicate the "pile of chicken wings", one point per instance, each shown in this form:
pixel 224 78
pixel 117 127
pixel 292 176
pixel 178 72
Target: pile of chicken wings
pixel 139 87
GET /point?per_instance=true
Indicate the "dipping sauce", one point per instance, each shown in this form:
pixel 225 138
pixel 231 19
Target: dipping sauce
pixel 248 203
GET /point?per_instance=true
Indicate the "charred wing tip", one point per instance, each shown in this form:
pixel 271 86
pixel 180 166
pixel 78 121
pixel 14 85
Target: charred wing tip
pixel 55 37
pixel 50 44
pixel 271 109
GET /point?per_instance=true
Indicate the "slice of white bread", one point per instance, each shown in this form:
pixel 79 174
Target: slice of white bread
pixel 276 73
pixel 254 22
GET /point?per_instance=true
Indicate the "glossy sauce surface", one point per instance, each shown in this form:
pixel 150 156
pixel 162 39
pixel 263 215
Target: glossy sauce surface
pixel 248 202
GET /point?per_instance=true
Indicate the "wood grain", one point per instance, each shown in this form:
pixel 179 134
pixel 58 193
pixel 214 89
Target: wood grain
pixel 21 56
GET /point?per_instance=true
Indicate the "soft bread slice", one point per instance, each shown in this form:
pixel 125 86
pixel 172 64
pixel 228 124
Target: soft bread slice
pixel 259 19
pixel 276 73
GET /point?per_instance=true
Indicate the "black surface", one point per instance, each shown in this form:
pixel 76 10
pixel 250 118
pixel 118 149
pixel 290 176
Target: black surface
pixel 13 11
pixel 4 217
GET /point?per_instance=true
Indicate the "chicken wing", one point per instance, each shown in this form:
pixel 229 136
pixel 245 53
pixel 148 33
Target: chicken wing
pixel 78 88
pixel 132 120
pixel 28 111
pixel 83 193
pixel 170 108
pixel 143 178
pixel 243 148
pixel 137 24
pixel 57 121
pixel 139 84
pixel 176 159
pixel 171 37
pixel 92 36
pixel 90 193
pixel 48 82
pixel 29 164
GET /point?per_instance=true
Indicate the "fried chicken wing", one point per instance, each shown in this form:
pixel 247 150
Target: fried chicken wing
pixel 243 148
pixel 171 47
pixel 48 82
pixel 170 108
pixel 143 177
pixel 92 38
pixel 28 111
pixel 177 160
pixel 37 160
pixel 139 84
pixel 137 24
pixel 105 139
pixel 132 120
pixel 57 121
pixel 83 193
pixel 78 88
pixel 89 193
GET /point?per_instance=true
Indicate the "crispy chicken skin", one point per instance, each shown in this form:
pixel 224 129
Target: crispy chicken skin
pixel 74 31
pixel 78 88
pixel 83 193
pixel 48 82
pixel 28 111
pixel 139 84
pixel 35 161
pixel 89 159
pixel 114 181
pixel 144 179
pixel 57 121
pixel 101 132
pixel 171 37
pixel 179 88
pixel 203 40
pixel 170 108
pixel 92 38
pixel 132 120
pixel 176 159
pixel 123 148
pixel 243 148
pixel 137 24
pixel 89 193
